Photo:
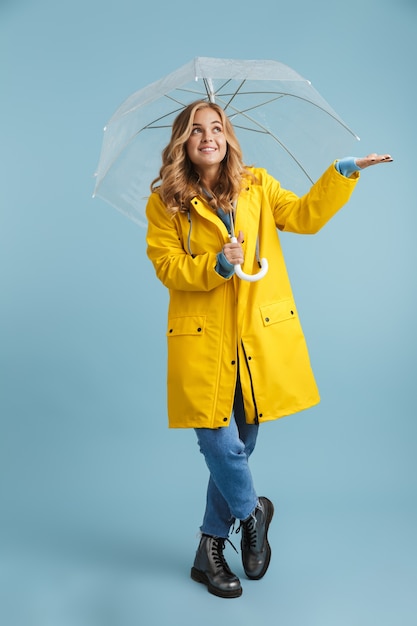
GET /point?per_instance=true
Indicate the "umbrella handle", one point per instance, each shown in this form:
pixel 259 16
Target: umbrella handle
pixel 250 277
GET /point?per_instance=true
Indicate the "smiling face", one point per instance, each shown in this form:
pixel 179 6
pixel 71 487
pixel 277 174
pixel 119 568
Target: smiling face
pixel 206 147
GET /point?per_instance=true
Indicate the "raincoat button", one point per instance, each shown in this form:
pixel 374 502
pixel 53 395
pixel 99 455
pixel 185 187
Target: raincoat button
pixel 170 330
pixel 267 319
pixel 233 362
pixel 199 330
pixel 225 419
pixel 260 414
pixel 292 312
pixel 249 358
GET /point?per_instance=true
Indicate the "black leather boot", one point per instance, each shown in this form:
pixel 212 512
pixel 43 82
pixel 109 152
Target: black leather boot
pixel 256 551
pixel 211 569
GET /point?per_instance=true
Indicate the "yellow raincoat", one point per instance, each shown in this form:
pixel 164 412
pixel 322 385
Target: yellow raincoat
pixel 217 324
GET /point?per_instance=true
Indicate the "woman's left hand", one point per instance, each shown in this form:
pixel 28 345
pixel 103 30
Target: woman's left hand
pixel 373 159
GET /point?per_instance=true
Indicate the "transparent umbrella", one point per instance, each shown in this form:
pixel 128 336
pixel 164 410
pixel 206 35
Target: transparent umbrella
pixel 283 124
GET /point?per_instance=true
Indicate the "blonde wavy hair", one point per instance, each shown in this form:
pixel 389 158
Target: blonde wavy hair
pixel 178 182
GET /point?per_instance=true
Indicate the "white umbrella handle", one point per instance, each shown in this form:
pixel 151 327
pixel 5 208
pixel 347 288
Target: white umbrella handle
pixel 250 277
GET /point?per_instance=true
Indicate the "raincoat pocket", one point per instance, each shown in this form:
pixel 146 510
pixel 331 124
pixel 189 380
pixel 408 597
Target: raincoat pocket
pixel 187 325
pixel 278 312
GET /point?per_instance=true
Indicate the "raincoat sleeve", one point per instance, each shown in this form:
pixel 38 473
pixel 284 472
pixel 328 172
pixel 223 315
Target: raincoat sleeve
pixel 309 213
pixel 174 267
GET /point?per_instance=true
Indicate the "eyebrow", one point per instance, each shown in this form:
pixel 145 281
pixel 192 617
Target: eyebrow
pixel 213 122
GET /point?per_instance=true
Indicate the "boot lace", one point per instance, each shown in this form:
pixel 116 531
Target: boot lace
pixel 248 532
pixel 217 548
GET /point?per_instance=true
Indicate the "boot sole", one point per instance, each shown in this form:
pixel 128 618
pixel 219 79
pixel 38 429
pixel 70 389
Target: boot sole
pixel 200 577
pixel 268 547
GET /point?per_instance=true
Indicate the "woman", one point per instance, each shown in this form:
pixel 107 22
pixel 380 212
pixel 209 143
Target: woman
pixel 236 352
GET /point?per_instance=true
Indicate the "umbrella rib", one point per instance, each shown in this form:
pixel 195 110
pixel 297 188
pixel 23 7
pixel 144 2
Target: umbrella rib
pixel 233 95
pixel 266 131
pixel 280 143
pixel 284 147
pixel 290 95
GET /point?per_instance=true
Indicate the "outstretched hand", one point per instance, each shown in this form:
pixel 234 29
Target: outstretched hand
pixel 373 159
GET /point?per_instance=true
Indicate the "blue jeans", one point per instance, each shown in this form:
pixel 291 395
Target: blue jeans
pixel 230 493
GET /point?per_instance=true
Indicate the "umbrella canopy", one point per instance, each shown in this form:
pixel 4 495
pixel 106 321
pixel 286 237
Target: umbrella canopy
pixel 283 124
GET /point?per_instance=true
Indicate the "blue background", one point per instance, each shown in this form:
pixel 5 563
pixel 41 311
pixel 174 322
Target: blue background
pixel 100 502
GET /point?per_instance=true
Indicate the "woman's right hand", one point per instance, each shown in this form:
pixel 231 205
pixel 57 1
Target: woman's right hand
pixel 373 159
pixel 234 251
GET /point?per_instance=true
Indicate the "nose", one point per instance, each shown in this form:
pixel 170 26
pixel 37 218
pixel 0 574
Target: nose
pixel 207 136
